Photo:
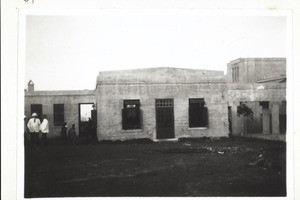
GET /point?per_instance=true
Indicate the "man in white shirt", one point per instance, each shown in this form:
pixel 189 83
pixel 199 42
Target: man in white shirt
pixel 44 128
pixel 34 129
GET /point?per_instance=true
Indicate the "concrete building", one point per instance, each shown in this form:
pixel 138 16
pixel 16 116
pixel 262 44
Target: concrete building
pixel 256 70
pixel 171 103
pixel 161 103
pixel 261 83
pixel 59 106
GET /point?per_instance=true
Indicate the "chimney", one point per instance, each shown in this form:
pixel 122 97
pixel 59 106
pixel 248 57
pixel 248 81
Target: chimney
pixel 30 86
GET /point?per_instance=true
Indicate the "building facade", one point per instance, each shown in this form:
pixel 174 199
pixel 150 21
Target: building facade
pixel 161 103
pixel 59 107
pixel 171 103
pixel 261 84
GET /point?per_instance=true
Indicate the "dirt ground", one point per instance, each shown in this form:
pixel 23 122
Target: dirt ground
pixel 190 167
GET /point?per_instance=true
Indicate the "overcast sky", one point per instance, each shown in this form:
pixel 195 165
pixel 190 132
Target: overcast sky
pixel 67 52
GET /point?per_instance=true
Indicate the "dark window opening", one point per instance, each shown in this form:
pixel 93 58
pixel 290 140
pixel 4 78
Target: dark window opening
pixel 131 118
pixel 38 109
pixel 282 123
pixel 59 114
pixel 264 104
pixel 198 113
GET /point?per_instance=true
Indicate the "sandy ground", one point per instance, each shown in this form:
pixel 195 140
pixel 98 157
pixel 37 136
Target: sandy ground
pixel 190 167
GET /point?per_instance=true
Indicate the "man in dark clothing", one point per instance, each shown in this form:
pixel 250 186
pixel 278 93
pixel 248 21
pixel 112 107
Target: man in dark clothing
pixel 63 133
pixel 72 135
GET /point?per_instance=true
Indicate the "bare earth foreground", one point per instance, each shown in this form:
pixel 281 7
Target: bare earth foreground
pixel 190 167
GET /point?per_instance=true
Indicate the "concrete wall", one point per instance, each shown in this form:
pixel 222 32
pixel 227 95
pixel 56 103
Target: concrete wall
pixel 252 70
pixel 254 93
pixel 70 99
pixel 113 88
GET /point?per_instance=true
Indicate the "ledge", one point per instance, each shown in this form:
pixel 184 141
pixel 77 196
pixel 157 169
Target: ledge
pixel 197 128
pixel 132 131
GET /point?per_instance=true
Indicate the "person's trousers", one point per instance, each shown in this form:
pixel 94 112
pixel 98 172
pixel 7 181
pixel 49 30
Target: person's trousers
pixel 44 138
pixel 34 139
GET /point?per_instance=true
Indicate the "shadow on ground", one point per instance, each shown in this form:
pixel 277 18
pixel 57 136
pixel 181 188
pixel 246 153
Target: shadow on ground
pixel 190 167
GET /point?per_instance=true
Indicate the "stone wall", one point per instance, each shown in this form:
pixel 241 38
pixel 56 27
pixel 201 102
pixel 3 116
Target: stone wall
pixel 110 103
pixel 70 99
pixel 252 70
pixel 254 93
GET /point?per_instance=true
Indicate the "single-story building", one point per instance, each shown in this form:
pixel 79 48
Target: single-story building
pixel 171 103
pixel 161 103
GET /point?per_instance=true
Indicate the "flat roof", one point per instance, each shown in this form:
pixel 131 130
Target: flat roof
pixel 161 75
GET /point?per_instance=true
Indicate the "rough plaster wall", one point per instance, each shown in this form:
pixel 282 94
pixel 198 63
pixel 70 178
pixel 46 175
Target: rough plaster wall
pixel 255 69
pixel 256 92
pixel 70 107
pixel 269 68
pixel 272 92
pixel 110 103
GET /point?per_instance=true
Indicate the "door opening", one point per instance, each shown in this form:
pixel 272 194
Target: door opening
pixel 85 118
pixel 164 118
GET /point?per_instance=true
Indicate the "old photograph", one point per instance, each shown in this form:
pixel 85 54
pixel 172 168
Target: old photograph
pixel 155 103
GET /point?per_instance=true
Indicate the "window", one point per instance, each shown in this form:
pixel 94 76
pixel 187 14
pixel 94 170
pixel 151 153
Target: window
pixel 59 114
pixel 131 117
pixel 264 104
pixel 38 109
pixel 235 74
pixel 198 113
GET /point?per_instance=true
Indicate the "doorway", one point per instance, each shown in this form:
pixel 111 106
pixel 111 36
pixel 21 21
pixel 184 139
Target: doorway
pixel 164 118
pixel 85 118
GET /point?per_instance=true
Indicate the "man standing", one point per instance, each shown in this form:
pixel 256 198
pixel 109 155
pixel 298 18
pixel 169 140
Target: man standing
pixel 34 129
pixel 44 128
pixel 72 135
pixel 63 133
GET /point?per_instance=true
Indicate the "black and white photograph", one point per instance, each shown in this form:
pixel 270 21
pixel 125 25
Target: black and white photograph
pixel 163 103
pixel 150 99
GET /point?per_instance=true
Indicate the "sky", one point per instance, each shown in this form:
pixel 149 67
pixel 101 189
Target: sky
pixel 66 52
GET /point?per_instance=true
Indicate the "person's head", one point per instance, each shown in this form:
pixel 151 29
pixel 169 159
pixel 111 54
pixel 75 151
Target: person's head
pixel 44 116
pixel 34 115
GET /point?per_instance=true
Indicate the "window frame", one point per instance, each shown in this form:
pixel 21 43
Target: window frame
pixel 201 121
pixel 131 107
pixel 58 116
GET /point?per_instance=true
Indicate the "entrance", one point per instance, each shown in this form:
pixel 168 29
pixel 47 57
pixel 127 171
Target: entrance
pixel 86 119
pixel 164 118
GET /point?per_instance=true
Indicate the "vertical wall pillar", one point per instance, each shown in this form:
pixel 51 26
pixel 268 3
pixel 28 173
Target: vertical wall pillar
pixel 275 119
pixel 233 119
pixel 236 121
pixel 266 120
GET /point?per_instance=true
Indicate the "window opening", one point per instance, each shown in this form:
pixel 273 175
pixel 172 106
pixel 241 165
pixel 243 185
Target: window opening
pixel 59 114
pixel 198 113
pixel 131 118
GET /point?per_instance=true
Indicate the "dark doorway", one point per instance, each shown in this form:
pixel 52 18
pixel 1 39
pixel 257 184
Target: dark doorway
pixel 94 124
pixel 164 118
pixel 282 123
pixel 230 120
pixel 85 118
pixel 38 109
